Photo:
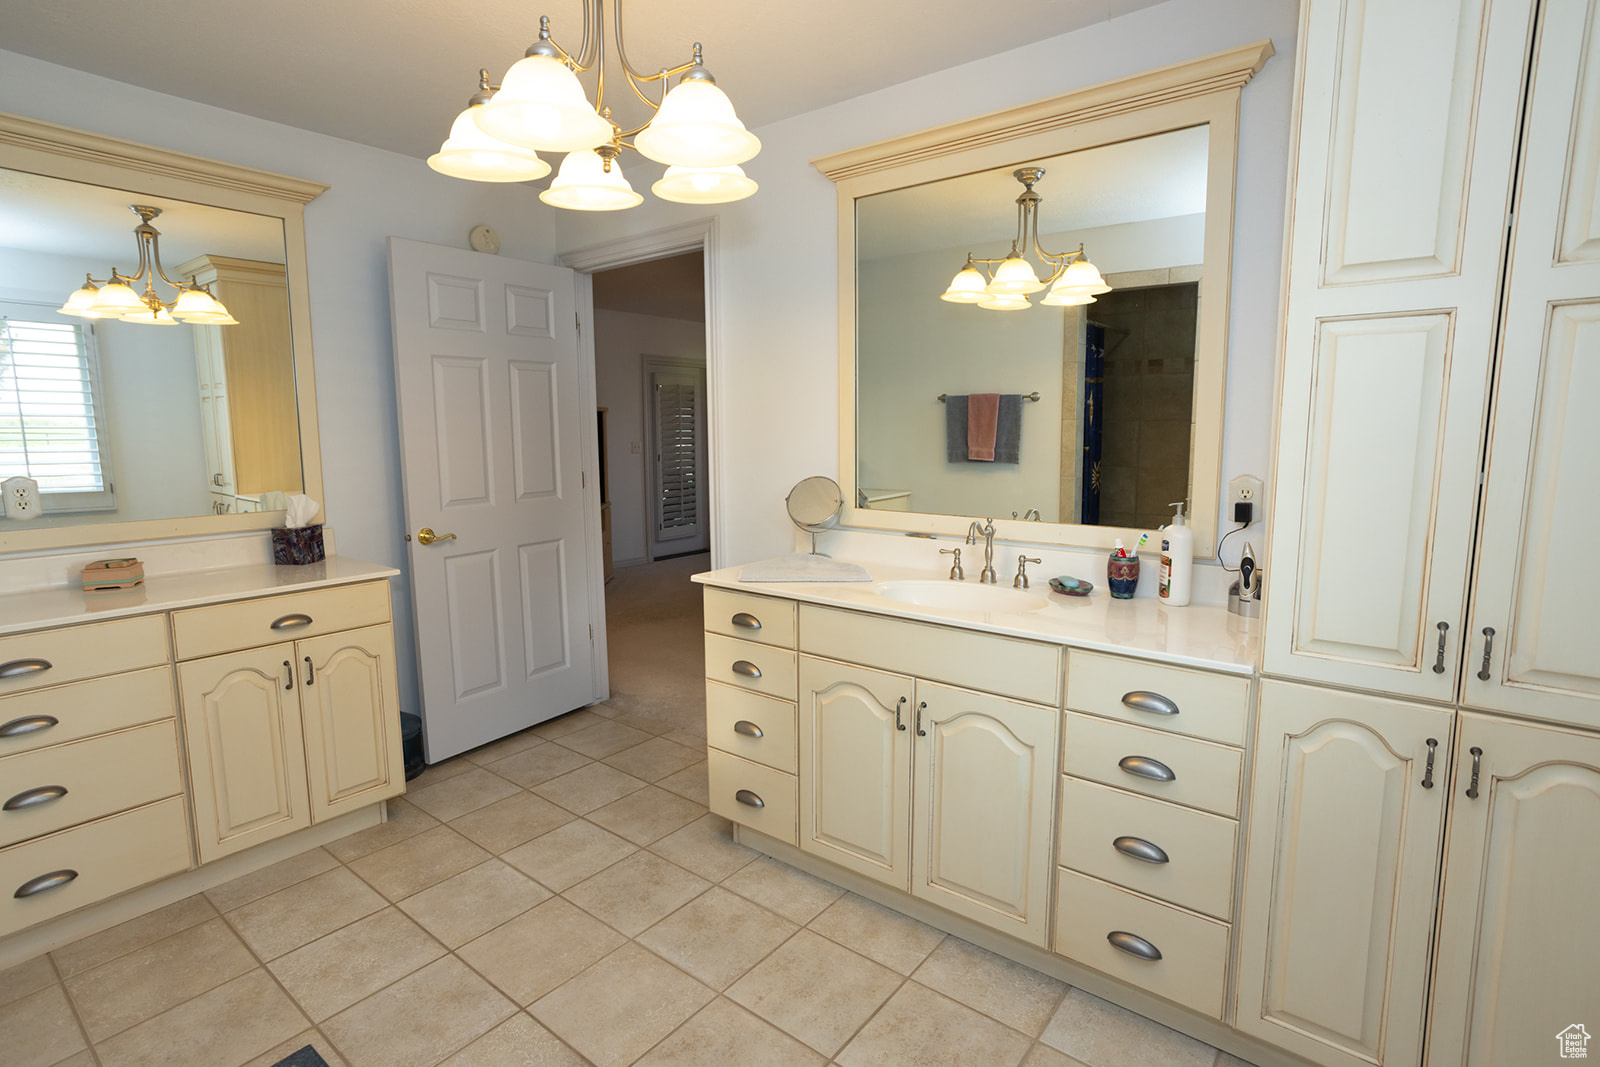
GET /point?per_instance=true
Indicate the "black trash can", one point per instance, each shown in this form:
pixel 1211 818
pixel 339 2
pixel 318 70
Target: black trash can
pixel 411 743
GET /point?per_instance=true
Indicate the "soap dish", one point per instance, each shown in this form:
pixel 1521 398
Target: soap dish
pixel 1071 586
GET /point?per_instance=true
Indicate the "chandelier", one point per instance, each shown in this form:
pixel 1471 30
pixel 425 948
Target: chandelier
pixel 117 299
pixel 1071 277
pixel 541 106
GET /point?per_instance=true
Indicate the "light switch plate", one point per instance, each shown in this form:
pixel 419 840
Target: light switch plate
pixel 21 497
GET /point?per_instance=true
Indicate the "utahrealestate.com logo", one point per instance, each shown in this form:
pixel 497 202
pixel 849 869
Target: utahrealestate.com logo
pixel 1574 1042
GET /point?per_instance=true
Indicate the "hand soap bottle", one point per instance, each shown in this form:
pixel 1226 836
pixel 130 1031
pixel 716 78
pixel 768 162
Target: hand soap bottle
pixel 1177 559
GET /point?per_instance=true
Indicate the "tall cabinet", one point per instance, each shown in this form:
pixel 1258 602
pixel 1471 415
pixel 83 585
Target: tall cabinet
pixel 1408 881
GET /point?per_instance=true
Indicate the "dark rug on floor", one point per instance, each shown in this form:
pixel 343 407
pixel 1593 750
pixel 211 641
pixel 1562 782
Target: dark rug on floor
pixel 305 1057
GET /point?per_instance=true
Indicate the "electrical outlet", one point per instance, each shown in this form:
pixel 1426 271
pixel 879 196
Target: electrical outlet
pixel 21 498
pixel 1246 489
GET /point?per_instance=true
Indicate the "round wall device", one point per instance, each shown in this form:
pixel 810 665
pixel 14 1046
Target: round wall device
pixel 484 239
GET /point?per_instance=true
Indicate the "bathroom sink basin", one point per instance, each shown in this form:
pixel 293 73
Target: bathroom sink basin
pixel 961 596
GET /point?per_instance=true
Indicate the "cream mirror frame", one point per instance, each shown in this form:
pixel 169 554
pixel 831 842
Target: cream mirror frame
pixel 43 148
pixel 1203 91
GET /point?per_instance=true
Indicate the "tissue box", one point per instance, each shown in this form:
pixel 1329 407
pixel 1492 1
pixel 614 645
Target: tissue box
pixel 297 545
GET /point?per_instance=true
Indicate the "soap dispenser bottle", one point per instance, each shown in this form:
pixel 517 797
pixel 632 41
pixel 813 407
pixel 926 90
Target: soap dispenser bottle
pixel 1177 559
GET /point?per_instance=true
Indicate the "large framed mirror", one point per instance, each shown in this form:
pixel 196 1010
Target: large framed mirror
pixel 135 431
pixel 1108 410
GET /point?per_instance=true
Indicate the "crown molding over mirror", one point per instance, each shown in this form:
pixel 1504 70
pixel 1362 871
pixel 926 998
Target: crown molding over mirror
pixel 1203 91
pixel 34 147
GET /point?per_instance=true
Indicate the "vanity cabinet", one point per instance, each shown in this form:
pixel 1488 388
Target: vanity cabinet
pixel 287 734
pixel 92 786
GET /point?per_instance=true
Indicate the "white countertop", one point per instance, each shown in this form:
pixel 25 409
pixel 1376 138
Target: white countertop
pixel 1200 635
pixel 64 605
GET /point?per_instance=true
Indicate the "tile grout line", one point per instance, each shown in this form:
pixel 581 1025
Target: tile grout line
pixel 72 1006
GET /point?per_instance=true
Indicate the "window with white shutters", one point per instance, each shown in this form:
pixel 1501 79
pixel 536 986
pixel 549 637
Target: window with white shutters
pixel 677 504
pixel 52 426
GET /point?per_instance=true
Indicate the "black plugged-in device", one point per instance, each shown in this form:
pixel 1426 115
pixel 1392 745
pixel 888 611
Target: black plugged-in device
pixel 1243 512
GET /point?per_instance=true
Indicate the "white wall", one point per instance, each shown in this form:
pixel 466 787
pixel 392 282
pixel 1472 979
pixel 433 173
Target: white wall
pixel 621 340
pixel 776 375
pixel 149 392
pixel 373 194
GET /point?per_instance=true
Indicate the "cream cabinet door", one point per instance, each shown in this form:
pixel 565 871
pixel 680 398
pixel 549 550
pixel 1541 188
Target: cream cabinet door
pixel 1340 873
pixel 983 808
pixel 855 768
pixel 247 764
pixel 1407 126
pixel 1519 947
pixel 350 705
pixel 1532 631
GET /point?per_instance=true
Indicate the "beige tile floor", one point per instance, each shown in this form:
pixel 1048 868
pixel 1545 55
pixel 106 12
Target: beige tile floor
pixel 561 897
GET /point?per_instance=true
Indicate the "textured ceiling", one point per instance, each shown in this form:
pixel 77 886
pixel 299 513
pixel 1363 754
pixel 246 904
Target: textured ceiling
pixel 393 73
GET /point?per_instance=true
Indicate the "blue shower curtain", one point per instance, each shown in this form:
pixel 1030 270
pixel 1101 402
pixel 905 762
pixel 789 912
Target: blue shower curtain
pixel 1094 365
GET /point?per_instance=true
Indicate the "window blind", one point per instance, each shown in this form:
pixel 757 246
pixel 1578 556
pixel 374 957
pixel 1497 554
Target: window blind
pixel 677 504
pixel 49 427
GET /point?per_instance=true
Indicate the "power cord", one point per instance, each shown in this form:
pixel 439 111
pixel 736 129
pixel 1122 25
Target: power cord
pixel 1240 529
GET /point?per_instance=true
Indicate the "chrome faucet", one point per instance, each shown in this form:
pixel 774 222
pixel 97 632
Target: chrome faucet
pixel 1021 580
pixel 1031 515
pixel 956 573
pixel 986 531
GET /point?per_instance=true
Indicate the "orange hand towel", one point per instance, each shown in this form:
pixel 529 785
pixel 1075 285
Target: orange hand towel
pixel 983 415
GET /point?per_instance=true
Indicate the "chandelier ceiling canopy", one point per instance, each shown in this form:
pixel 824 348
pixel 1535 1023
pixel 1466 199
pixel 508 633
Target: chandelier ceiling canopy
pixel 541 106
pixel 116 297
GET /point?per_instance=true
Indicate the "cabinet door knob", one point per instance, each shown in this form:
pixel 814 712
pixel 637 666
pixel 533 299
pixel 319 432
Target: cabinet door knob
pixel 749 799
pixel 1427 773
pixel 44 883
pixel 1154 703
pixel 746 668
pixel 290 622
pixel 747 728
pixel 1477 765
pixel 899 724
pixel 1133 945
pixel 28 724
pixel 1488 650
pixel 1438 664
pixel 1145 767
pixel 745 620
pixel 922 705
pixel 32 798
pixel 311 673
pixel 288 675
pixel 19 668
pixel 1140 849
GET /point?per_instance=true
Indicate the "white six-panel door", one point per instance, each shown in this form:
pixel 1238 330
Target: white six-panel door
pixel 486 370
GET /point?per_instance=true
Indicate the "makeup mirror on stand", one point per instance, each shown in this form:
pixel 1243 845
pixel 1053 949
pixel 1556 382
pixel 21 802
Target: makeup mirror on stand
pixel 814 504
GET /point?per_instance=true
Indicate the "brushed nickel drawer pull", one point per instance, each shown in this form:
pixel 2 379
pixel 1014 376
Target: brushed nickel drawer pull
pixel 746 621
pixel 1154 703
pixel 1140 849
pixel 746 668
pixel 749 799
pixel 1133 945
pixel 1488 648
pixel 1427 773
pixel 748 728
pixel 1145 767
pixel 28 724
pixel 899 724
pixel 1477 764
pixel 32 798
pixel 19 668
pixel 1438 664
pixel 290 622
pixel 44 883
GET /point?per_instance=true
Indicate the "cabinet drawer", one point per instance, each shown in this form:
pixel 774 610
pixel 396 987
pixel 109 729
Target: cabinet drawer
pixel 50 657
pixel 756 727
pixel 1194 949
pixel 1197 703
pixel 250 623
pixel 1027 670
pixel 1199 848
pixel 761 798
pixel 83 709
pixel 108 856
pixel 1204 775
pixel 751 666
pixel 763 619
pixel 101 775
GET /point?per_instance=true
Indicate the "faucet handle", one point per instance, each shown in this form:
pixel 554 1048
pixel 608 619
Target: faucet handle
pixel 1021 580
pixel 956 573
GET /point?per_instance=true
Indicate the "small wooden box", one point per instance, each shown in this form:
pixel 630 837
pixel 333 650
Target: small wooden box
pixel 110 575
pixel 297 545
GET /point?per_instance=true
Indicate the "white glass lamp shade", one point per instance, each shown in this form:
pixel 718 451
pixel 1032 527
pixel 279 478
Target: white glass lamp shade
pixel 472 154
pixel 81 303
pixel 196 305
pixel 1061 295
pixel 145 317
pixel 704 185
pixel 583 184
pixel 1014 277
pixel 1006 302
pixel 696 127
pixel 967 287
pixel 1083 277
pixel 116 298
pixel 541 105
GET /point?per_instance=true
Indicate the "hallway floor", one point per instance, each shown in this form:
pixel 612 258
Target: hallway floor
pixel 558 898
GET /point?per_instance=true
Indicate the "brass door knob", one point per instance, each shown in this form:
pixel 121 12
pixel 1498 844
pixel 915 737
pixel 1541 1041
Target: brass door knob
pixel 426 536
